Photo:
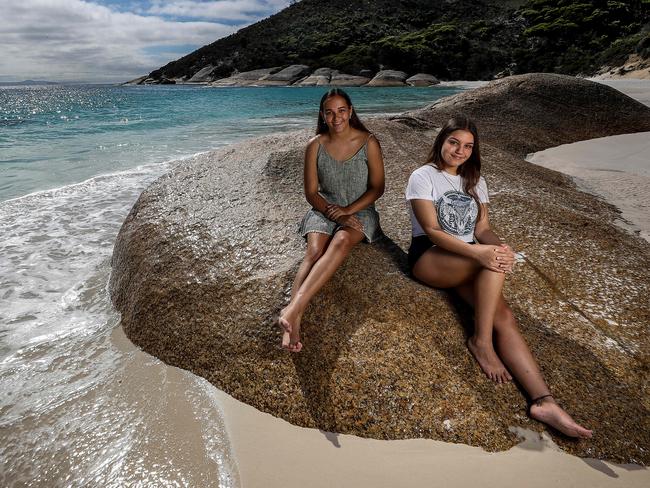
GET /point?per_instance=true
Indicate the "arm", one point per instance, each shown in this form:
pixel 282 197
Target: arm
pixel 485 235
pixel 311 177
pixel 376 183
pixel 484 254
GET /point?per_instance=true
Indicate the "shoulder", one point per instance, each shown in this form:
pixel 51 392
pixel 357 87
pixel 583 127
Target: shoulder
pixel 311 151
pixel 315 141
pixel 372 144
pixel 425 172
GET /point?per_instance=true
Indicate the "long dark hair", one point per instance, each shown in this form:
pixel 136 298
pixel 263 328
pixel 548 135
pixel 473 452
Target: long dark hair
pixel 355 122
pixel 470 170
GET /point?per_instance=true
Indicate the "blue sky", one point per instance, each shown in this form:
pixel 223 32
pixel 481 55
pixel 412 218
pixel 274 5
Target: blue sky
pixel 113 40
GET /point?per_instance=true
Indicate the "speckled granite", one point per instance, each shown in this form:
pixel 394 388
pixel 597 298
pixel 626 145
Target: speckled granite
pixel 204 262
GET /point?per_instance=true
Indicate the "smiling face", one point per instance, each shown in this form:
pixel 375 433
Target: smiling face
pixel 456 149
pixel 336 113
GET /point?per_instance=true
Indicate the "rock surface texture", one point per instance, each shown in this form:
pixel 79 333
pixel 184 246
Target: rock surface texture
pixel 422 79
pixel 389 77
pixel 203 264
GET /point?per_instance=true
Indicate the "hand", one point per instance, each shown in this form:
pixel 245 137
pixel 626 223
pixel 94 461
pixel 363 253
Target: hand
pixel 495 258
pixel 335 212
pixel 510 259
pixel 351 221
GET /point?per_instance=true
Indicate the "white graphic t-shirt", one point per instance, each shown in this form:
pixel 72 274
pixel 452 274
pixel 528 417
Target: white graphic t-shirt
pixel 456 210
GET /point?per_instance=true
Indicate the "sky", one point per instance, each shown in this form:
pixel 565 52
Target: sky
pixel 113 40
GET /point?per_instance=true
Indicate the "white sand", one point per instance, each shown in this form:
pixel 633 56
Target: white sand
pixel 615 168
pixel 273 453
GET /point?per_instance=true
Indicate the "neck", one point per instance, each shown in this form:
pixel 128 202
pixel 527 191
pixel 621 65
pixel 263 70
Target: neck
pixel 451 170
pixel 338 136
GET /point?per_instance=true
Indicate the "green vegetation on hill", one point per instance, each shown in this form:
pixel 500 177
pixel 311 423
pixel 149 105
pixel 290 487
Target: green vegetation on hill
pixel 452 39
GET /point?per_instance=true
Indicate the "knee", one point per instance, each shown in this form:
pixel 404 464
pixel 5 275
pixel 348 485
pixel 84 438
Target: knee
pixel 314 253
pixel 504 319
pixel 342 242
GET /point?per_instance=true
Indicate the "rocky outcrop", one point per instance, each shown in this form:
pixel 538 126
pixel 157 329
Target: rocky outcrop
pixel 203 75
pixel 422 79
pixel 320 77
pixel 344 79
pixel 287 76
pixel 246 78
pixel 596 110
pixel 388 77
pixel 202 266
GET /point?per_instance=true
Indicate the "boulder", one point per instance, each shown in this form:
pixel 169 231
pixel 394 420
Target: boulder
pixel 136 81
pixel 246 78
pixel 202 266
pixel 320 77
pixel 422 79
pixel 388 77
pixel 287 76
pixel 344 79
pixel 203 75
pixel 596 109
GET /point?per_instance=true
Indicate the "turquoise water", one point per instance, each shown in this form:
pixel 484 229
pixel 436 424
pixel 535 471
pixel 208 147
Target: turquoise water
pixel 55 136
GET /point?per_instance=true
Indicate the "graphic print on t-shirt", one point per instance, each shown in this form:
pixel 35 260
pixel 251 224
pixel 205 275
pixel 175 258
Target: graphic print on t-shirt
pixel 457 213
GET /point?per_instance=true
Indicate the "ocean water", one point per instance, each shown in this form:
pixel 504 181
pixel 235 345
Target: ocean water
pixel 80 405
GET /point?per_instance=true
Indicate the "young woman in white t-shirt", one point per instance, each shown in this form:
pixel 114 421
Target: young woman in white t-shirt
pixel 453 246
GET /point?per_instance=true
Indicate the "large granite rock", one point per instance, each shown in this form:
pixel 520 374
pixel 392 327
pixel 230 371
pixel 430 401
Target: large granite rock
pixel 388 77
pixel 345 79
pixel 246 78
pixel 595 109
pixel 203 75
pixel 422 79
pixel 320 77
pixel 204 262
pixel 287 76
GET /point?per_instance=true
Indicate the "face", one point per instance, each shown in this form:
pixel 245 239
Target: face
pixel 337 113
pixel 457 149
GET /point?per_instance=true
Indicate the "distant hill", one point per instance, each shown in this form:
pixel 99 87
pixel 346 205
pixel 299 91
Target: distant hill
pixel 451 39
pixel 27 83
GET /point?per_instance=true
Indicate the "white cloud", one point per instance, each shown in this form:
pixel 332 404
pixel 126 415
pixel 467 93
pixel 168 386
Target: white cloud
pixel 80 40
pixel 237 10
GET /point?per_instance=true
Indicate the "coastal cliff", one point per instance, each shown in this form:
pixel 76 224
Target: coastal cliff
pixel 206 257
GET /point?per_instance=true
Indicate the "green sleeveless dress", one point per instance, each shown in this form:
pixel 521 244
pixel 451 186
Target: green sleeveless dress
pixel 342 182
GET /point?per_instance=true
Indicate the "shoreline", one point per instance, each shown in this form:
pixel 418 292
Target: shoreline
pixel 589 164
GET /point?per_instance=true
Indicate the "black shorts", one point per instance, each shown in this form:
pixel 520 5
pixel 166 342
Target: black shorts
pixel 420 245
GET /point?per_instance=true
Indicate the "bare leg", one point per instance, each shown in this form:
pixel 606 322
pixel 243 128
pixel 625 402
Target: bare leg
pixel 487 291
pixel 516 355
pixel 316 245
pixel 337 250
pixel 443 269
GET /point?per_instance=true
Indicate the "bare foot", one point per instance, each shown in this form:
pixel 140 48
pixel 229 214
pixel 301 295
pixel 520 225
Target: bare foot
pixel 550 413
pixel 289 321
pixel 488 361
